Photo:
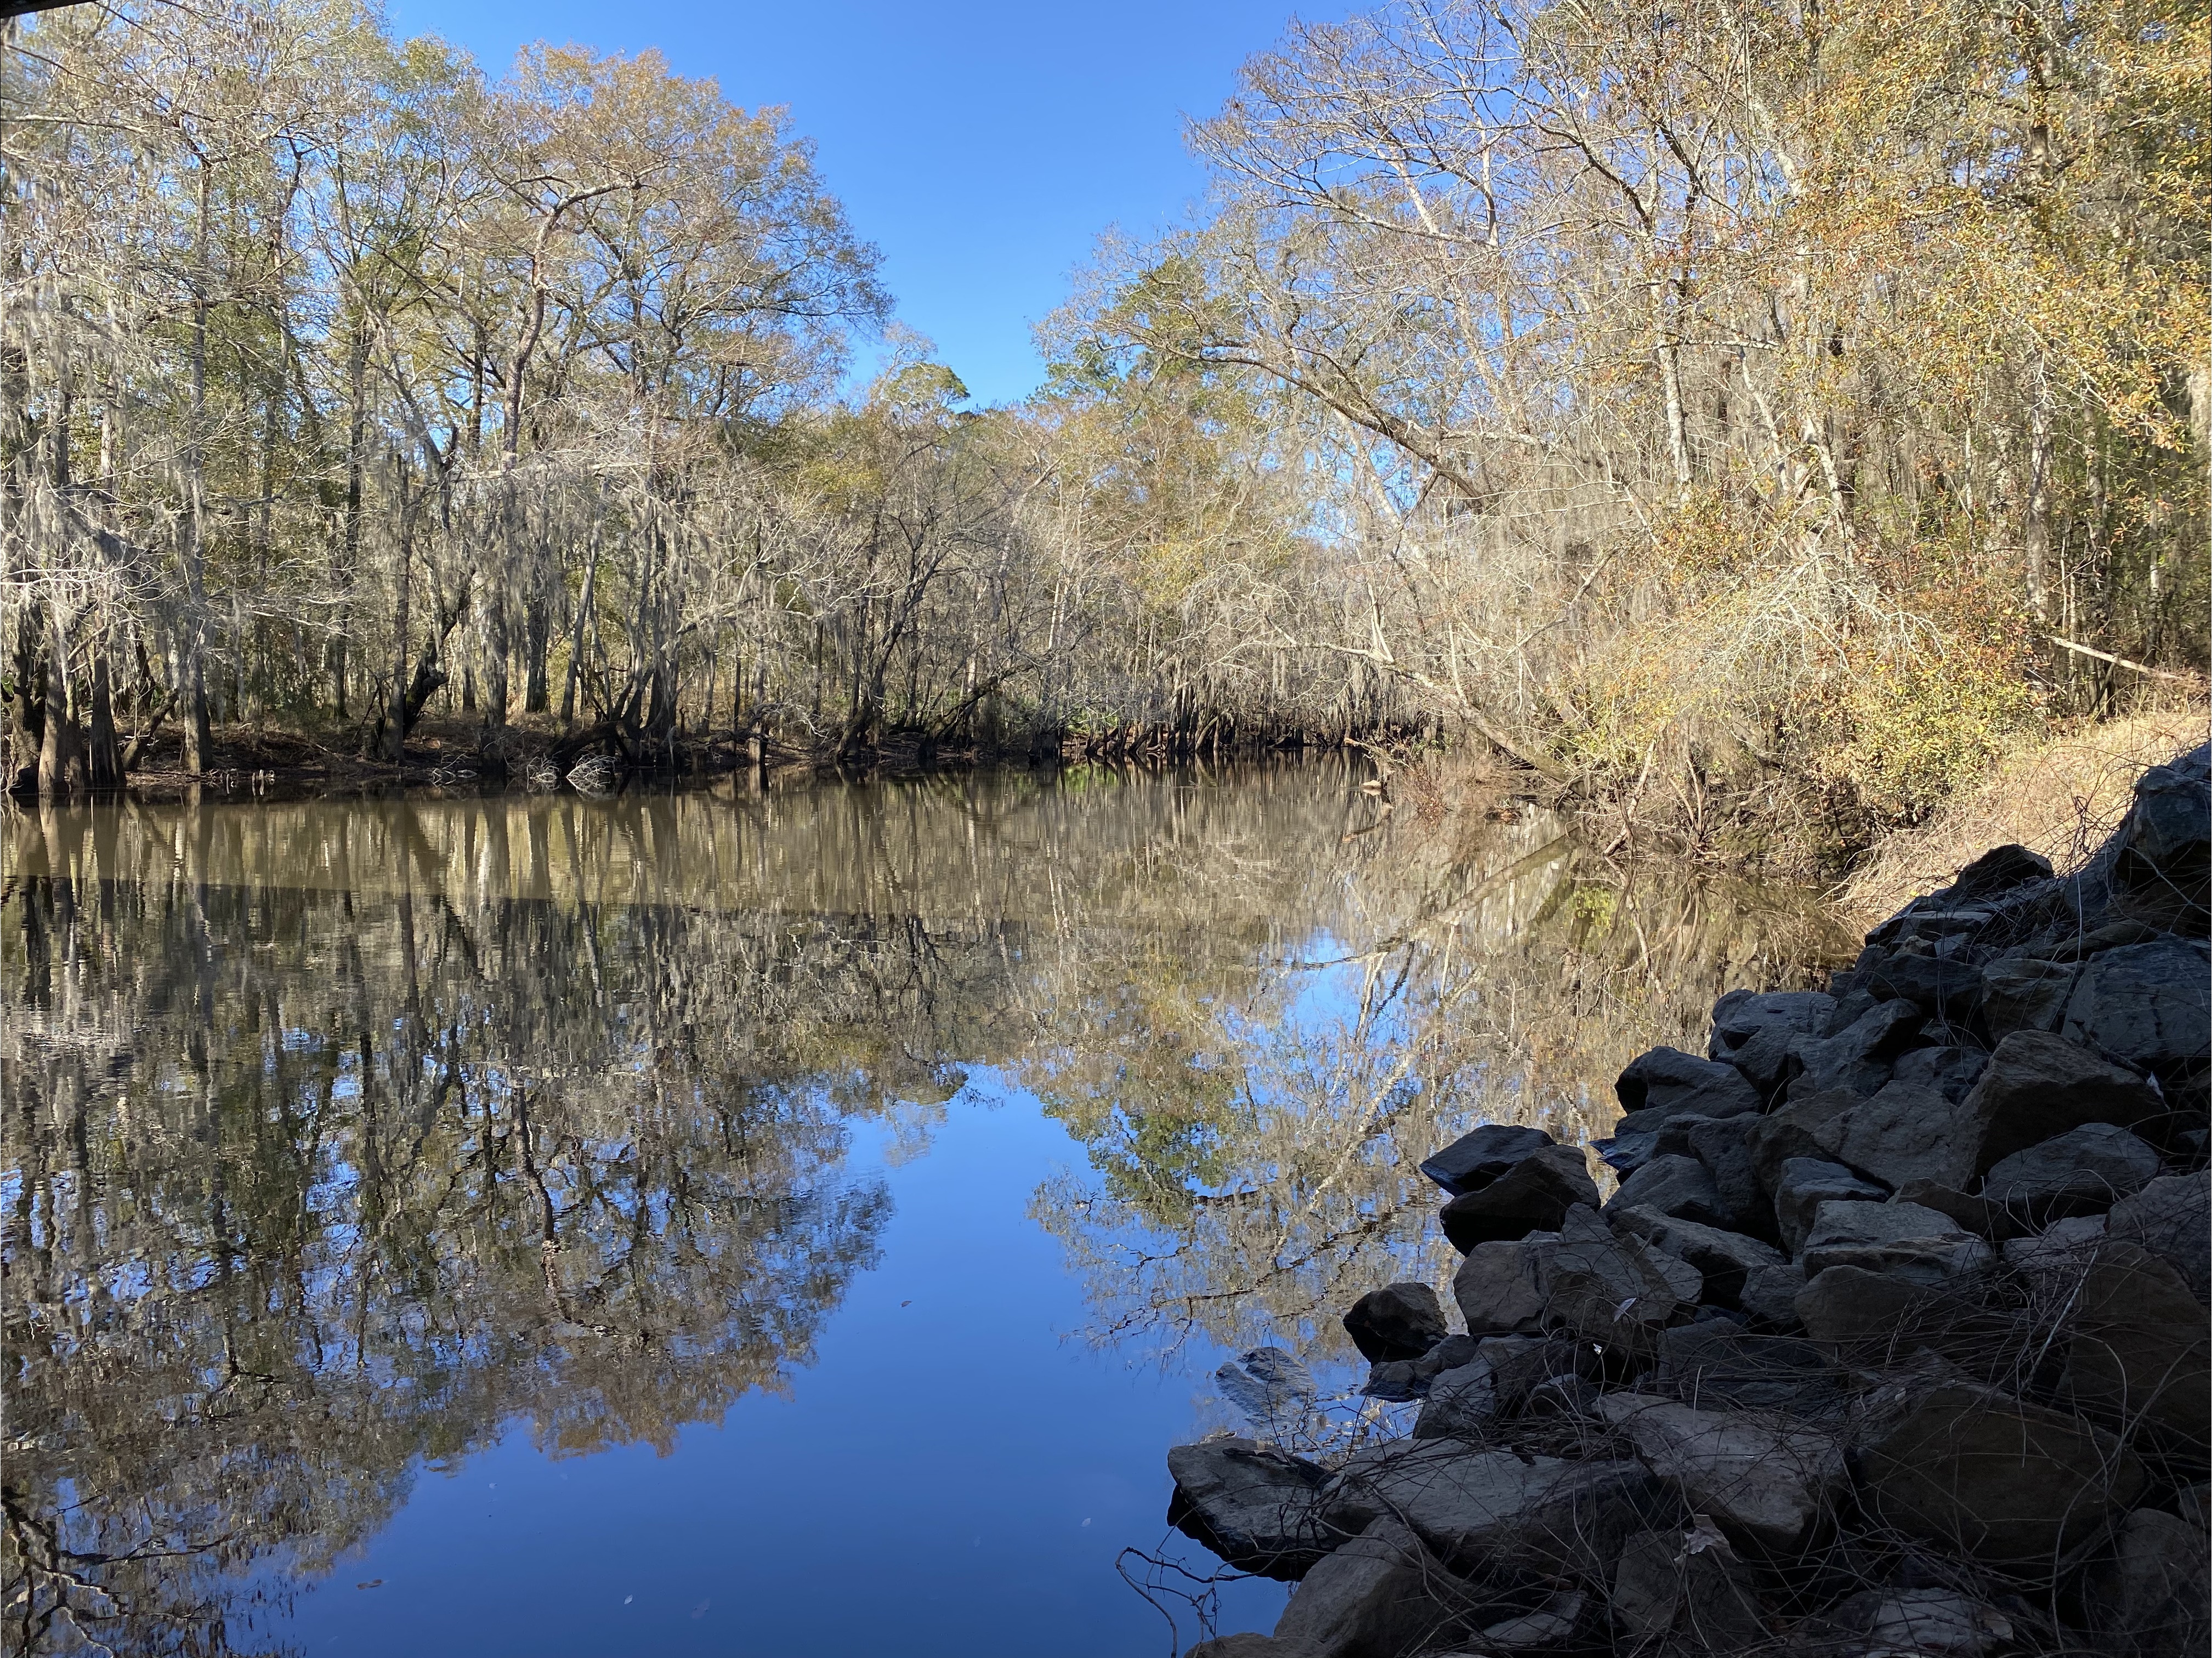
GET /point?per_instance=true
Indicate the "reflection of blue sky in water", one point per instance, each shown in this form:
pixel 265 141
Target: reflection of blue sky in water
pixel 954 1475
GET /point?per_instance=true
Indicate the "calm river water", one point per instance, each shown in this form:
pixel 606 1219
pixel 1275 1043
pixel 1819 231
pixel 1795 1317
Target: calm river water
pixel 789 1223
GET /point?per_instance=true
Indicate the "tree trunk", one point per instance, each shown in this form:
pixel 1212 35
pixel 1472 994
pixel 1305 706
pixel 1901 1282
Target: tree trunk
pixel 104 764
pixel 536 640
pixel 2035 530
pixel 393 727
pixel 349 562
pixel 495 652
pixel 61 746
pixel 576 633
pixel 191 554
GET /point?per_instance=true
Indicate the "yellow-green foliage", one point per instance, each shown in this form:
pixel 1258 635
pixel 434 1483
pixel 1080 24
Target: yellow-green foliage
pixel 1926 716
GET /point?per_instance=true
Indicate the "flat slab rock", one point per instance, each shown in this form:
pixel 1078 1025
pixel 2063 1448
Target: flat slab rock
pixel 1258 1508
pixel 2039 1085
pixel 1714 1364
pixel 1765 1479
pixel 2150 1005
pixel 1474 1160
pixel 2092 1167
pixel 1903 1240
pixel 1478 1508
pixel 2007 1481
pixel 1381 1592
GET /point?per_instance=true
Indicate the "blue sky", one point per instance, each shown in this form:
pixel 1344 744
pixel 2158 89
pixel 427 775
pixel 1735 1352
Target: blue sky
pixel 982 146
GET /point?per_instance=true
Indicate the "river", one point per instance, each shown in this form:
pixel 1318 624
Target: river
pixel 789 1221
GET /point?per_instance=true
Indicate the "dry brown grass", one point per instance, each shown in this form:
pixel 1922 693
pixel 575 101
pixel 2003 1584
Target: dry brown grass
pixel 2060 797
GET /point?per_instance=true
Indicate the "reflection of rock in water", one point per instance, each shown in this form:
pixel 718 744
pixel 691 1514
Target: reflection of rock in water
pixel 1273 1389
pixel 340 1135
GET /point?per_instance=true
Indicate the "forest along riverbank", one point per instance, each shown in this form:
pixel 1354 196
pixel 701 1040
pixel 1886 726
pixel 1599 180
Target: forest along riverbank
pixel 1891 1340
pixel 545 757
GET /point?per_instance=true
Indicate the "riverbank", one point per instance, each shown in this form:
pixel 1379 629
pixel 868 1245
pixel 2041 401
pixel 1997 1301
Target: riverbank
pixel 1891 1340
pixel 539 755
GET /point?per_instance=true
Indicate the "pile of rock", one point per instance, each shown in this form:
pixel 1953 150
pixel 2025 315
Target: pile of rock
pixel 1892 1339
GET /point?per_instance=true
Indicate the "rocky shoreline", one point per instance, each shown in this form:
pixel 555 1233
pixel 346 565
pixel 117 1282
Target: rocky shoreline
pixel 1893 1340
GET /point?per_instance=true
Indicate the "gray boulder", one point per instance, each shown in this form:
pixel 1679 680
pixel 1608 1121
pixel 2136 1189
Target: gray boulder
pixel 1722 1145
pixel 1999 869
pixel 1463 1403
pixel 1519 1365
pixel 1553 1624
pixel 2080 947
pixel 2163 846
pixel 1724 1258
pixel 1627 1150
pixel 1902 1240
pixel 2146 1599
pixel 1677 1185
pixel 1767 1480
pixel 1742 1014
pixel 2141 1350
pixel 1379 1595
pixel 1951 1071
pixel 2061 1252
pixel 2039 1085
pixel 1973 1470
pixel 1981 1219
pixel 1758 1035
pixel 1394 1381
pixel 1473 1161
pixel 1854 1310
pixel 1713 1363
pixel 2172 1217
pixel 1488 1509
pixel 2083 1169
pixel 1685 1591
pixel 1612 1289
pixel 1496 1286
pixel 1404 1379
pixel 1770 1296
pixel 1805 1184
pixel 1667 1079
pixel 2022 994
pixel 1800 1128
pixel 2148 1004
pixel 1851 1005
pixel 1945 983
pixel 1466 1402
pixel 1903 1132
pixel 1859 1058
pixel 1447 1355
pixel 1927 1623
pixel 1399 1320
pixel 1532 1196
pixel 1258 1508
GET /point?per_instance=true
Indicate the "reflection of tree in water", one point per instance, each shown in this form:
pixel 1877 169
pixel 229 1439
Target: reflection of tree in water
pixel 339 1136
pixel 304 1188
pixel 1256 1158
